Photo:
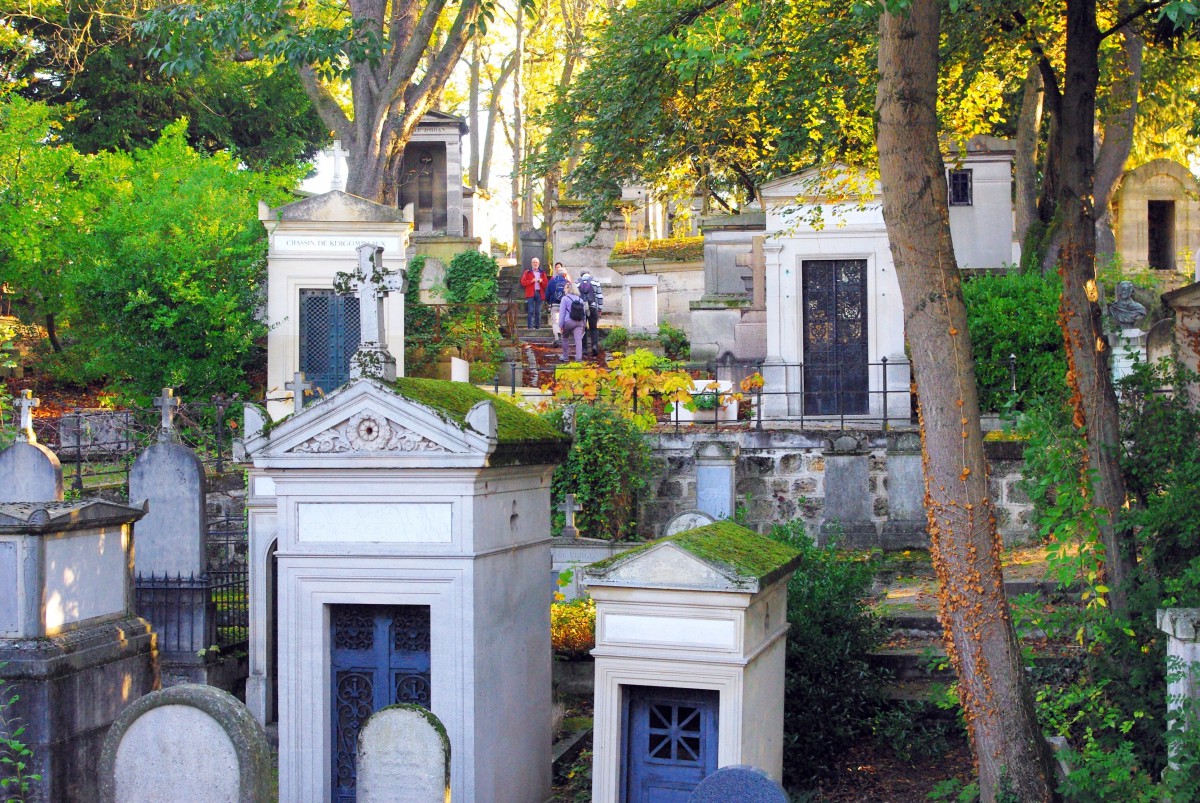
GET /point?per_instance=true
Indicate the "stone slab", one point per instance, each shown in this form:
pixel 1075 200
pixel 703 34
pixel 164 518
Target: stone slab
pixel 171 538
pixel 185 744
pixel 403 757
pixel 739 782
pixel 29 472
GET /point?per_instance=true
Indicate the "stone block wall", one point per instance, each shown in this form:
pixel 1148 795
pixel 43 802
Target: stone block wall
pixel 781 475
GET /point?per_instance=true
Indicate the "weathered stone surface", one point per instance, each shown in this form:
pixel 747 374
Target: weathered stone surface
pixel 171 538
pixel 848 505
pixel 403 757
pixel 742 783
pixel 29 472
pixel 185 744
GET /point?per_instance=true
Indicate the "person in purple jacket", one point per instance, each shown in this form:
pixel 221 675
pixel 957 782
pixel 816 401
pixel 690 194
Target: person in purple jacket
pixel 572 317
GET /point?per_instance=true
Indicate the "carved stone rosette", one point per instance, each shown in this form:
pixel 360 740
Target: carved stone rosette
pixel 367 432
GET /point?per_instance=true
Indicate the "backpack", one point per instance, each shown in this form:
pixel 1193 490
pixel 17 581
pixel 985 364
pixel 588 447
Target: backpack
pixel 586 290
pixel 578 311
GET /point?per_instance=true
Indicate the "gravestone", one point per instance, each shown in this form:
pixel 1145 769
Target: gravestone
pixel 403 757
pixel 569 507
pixel 96 432
pixel 1182 626
pixel 29 472
pixel 186 744
pixel 716 477
pixel 847 500
pixel 739 782
pixel 371 282
pixel 687 520
pixel 905 527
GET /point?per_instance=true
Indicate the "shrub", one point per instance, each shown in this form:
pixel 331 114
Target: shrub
pixel 606 469
pixel 1016 314
pixel 616 339
pixel 681 249
pixel 471 278
pixel 832 691
pixel 573 625
pixel 674 342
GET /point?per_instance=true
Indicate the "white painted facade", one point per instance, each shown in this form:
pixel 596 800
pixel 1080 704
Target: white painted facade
pixel 667 619
pixel 309 243
pixel 801 225
pixel 417 516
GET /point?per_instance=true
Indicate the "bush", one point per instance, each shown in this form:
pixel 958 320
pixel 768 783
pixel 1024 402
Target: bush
pixel 616 339
pixel 606 469
pixel 573 625
pixel 471 278
pixel 1016 314
pixel 832 692
pixel 674 342
pixel 680 249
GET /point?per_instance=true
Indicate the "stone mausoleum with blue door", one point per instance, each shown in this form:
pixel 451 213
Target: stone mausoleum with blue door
pixel 402 530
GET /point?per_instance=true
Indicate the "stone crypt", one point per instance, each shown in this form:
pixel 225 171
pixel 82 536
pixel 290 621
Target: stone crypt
pixel 409 523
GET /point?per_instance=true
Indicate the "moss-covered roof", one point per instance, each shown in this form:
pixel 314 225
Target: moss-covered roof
pixel 731 548
pixel 521 437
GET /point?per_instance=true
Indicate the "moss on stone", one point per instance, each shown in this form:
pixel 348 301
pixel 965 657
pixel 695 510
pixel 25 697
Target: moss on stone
pixel 453 400
pixel 433 720
pixel 730 547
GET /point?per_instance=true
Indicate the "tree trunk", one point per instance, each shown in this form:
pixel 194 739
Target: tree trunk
pixel 494 114
pixel 473 103
pixel 518 76
pixel 1013 757
pixel 52 333
pixel 1118 140
pixel 1029 126
pixel 1092 395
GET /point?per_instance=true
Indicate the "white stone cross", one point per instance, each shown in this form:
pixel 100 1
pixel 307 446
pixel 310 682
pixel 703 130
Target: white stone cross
pixel 371 282
pixel 25 403
pixel 570 507
pixel 338 154
pixel 167 404
pixel 297 386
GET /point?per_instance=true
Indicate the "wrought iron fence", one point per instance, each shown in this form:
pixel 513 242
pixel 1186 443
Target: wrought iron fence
pixel 195 613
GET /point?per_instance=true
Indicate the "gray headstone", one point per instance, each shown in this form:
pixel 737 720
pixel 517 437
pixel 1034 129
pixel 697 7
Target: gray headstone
pixel 403 757
pixel 906 524
pixel 29 472
pixel 171 538
pixel 848 503
pixel 687 520
pixel 186 744
pixel 716 477
pixel 742 783
pixel 254 420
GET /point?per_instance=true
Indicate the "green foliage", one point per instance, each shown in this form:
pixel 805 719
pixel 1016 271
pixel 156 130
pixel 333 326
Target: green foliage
pixel 916 730
pixel 616 339
pixel 606 469
pixel 15 779
pixel 1016 313
pixel 471 278
pixel 682 249
pixel 675 343
pixel 831 689
pixel 168 287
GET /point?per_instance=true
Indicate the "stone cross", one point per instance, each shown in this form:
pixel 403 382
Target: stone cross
pixel 570 507
pixel 167 404
pixel 338 154
pixel 25 403
pixel 371 283
pixel 297 386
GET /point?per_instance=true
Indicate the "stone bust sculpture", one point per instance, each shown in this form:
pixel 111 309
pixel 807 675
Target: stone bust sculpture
pixel 1125 311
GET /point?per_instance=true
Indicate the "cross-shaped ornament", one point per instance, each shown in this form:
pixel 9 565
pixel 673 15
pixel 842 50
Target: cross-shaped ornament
pixel 297 386
pixel 338 154
pixel 569 507
pixel 371 282
pixel 25 403
pixel 167 404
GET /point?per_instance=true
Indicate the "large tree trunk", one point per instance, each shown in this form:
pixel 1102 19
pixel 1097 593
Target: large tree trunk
pixel 473 103
pixel 1092 395
pixel 1118 140
pixel 1029 126
pixel 1011 753
pixel 518 77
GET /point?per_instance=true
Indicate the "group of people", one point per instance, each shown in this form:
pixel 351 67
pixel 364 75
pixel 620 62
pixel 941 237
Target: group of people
pixel 574 307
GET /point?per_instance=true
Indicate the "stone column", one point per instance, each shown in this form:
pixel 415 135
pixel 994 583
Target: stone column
pixel 847 497
pixel 454 188
pixel 1182 626
pixel 533 244
pixel 906 524
pixel 716 477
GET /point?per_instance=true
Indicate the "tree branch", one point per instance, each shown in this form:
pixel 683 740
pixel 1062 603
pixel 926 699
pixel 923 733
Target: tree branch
pixel 1140 11
pixel 329 110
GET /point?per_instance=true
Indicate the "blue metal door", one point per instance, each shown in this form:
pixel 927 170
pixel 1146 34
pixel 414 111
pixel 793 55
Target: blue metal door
pixel 835 337
pixel 328 337
pixel 380 656
pixel 670 742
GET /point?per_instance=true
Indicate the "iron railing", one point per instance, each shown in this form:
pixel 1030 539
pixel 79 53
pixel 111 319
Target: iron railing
pixel 193 613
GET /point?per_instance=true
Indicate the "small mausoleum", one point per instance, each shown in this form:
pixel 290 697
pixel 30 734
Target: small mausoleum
pixel 315 329
pixel 1157 212
pixel 690 649
pixel 408 527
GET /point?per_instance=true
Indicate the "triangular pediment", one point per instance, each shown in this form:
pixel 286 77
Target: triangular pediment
pixel 365 420
pixel 666 565
pixel 337 207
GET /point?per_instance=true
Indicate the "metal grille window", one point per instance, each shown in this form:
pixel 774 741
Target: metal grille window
pixel 960 187
pixel 328 337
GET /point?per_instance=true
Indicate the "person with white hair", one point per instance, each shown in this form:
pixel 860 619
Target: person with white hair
pixel 593 297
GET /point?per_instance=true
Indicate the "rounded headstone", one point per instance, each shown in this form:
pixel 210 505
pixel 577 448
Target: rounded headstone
pixel 742 783
pixel 403 757
pixel 185 744
pixel 171 538
pixel 29 472
pixel 687 520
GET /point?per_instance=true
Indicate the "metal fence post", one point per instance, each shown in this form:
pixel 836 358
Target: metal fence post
pixel 77 482
pixel 883 362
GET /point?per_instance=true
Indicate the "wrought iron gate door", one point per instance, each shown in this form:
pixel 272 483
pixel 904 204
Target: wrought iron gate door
pixel 380 656
pixel 835 337
pixel 670 742
pixel 328 337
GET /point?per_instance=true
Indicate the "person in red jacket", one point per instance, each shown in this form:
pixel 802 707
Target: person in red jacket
pixel 534 281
